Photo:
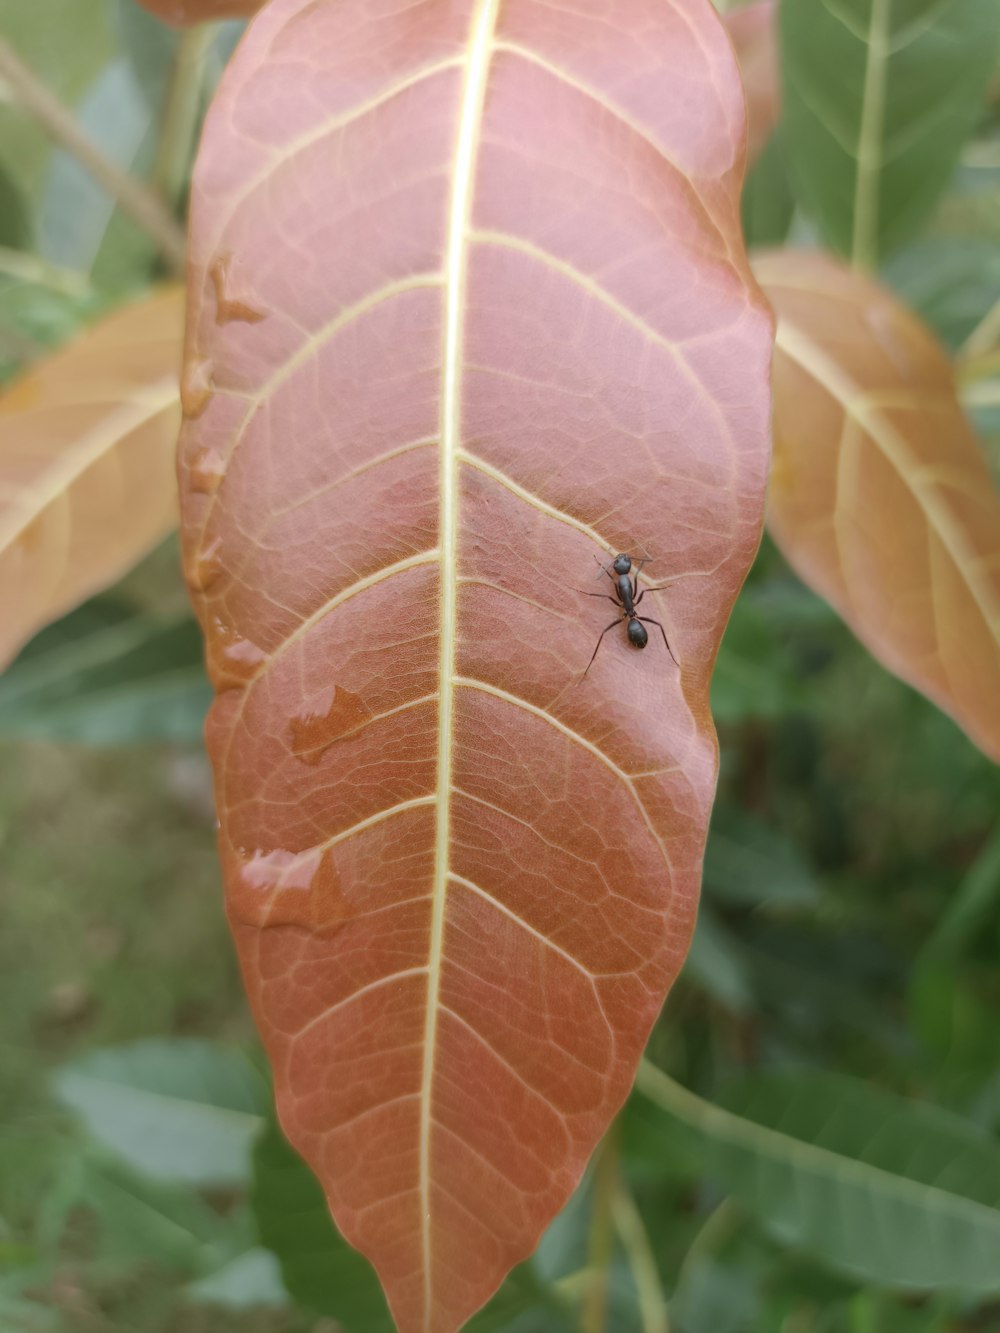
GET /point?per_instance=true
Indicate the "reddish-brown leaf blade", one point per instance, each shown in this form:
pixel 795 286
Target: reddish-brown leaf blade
pixel 87 464
pixel 881 497
pixel 469 308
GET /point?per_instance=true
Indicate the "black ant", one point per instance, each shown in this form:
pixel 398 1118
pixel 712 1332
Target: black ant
pixel 627 597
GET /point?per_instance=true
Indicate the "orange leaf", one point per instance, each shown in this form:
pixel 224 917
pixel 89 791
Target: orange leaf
pixel 469 308
pixel 752 33
pixel 87 464
pixel 881 497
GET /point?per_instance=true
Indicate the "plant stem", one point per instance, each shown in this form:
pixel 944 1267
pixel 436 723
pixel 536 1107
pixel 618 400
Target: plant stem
pixel 133 196
pixel 601 1243
pixel 635 1242
pixel 180 113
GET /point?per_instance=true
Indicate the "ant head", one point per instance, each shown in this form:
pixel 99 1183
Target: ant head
pixel 623 563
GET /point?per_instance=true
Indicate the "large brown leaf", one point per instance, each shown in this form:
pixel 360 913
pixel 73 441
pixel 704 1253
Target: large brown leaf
pixel 469 308
pixel 881 497
pixel 87 481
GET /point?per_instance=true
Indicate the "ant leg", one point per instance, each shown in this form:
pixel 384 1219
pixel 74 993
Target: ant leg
pixel 613 600
pixel 664 633
pixel 616 621
pixel 605 570
pixel 660 586
pixel 636 600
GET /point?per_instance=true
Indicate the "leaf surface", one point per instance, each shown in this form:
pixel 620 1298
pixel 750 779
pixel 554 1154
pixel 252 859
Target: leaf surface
pixel 879 98
pixel 108 674
pixel 180 1110
pixel 894 1192
pixel 87 464
pixel 880 494
pixel 508 328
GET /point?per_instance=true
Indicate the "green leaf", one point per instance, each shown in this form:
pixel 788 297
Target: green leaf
pixel 879 98
pixel 715 965
pixel 143 1220
pixel 320 1270
pixel 149 46
pixel 754 677
pixel 180 1109
pixel 768 202
pixel 15 223
pixel 952 281
pixel 524 1305
pixel 65 43
pixel 75 211
pixel 108 675
pixel 713 1297
pixel 889 1191
pixel 746 862
pixel 957 1025
pixel 252 1279
pixel 973 903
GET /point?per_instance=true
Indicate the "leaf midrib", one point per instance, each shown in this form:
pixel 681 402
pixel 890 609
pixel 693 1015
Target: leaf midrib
pixel 478 54
pixel 864 241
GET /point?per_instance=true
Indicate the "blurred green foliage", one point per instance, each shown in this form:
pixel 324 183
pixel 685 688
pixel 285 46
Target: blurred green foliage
pixel 813 1148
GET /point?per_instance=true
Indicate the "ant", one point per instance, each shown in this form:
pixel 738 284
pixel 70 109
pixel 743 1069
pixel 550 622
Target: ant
pixel 627 597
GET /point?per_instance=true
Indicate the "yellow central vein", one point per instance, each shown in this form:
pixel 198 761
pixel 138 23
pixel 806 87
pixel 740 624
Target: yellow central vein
pixel 473 98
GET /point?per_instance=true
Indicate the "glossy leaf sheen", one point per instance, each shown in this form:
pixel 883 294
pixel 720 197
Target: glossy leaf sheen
pixel 469 307
pixel 880 494
pixel 87 465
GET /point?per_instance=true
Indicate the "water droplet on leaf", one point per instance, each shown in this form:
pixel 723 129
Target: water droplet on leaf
pixel 196 387
pixel 206 470
pixel 231 660
pixel 227 306
pixel 205 567
pixel 315 731
pixel 281 888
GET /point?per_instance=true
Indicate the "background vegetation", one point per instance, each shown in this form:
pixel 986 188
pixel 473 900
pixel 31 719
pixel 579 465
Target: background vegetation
pixel 842 990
